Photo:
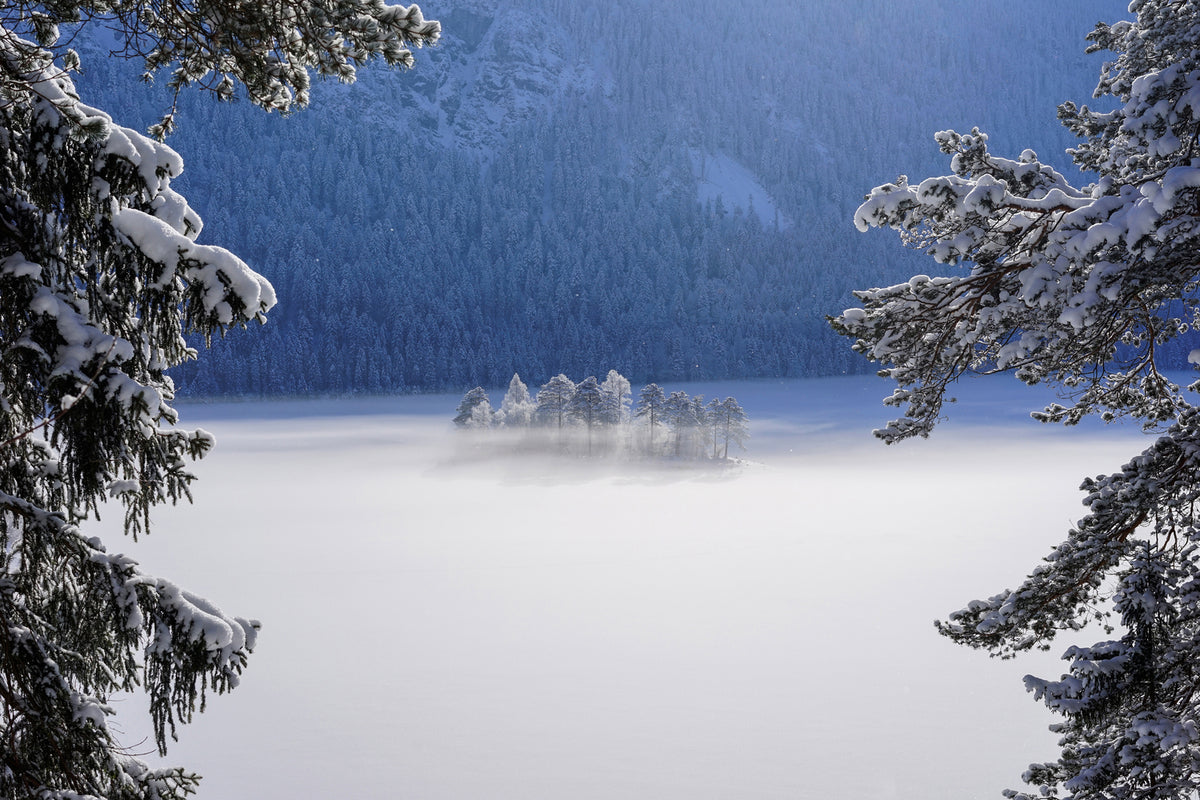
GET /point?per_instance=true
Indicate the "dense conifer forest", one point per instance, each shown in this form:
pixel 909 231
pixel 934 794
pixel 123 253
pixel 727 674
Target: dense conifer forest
pixel 567 185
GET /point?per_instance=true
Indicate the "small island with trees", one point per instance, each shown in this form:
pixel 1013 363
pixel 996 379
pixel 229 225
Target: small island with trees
pixel 599 418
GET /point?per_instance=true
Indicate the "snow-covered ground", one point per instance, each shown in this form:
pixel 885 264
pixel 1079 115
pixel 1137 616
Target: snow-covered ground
pixel 441 626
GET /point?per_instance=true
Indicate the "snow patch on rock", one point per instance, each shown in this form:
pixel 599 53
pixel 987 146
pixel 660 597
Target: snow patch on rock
pixel 720 177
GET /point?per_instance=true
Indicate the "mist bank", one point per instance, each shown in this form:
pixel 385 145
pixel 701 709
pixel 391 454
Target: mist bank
pixel 445 627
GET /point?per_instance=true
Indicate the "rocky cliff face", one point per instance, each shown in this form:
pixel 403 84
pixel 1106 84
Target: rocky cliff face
pixel 494 71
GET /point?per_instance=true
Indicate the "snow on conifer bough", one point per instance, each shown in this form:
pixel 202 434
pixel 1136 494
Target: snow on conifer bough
pixel 1079 288
pixel 101 275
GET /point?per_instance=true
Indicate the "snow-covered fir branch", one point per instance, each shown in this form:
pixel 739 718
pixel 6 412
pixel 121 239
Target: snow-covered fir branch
pixel 1083 288
pixel 102 277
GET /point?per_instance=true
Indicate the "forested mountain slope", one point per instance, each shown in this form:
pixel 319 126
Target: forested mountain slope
pixel 573 185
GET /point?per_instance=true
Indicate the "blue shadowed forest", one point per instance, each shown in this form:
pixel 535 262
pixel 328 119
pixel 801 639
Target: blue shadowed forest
pixel 569 186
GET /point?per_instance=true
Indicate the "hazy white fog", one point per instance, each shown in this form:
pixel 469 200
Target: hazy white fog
pixel 439 627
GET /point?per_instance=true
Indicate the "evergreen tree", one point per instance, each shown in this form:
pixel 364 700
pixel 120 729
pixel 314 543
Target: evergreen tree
pixel 680 415
pixel 553 400
pixel 711 416
pixel 475 410
pixel 100 277
pixel 268 48
pixel 517 408
pixel 701 431
pixel 1082 288
pixel 617 395
pixel 1129 730
pixel 616 411
pixel 651 406
pixel 730 425
pixel 587 405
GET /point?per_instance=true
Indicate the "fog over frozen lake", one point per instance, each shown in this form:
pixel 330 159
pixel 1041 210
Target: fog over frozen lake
pixel 443 624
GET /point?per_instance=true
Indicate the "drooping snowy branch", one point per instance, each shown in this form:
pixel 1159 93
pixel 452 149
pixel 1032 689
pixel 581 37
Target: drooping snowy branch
pixel 268 48
pixel 1078 288
pixel 1060 286
pixel 101 277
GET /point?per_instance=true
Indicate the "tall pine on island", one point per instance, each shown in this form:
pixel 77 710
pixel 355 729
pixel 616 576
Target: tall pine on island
pixel 100 277
pixel 1078 287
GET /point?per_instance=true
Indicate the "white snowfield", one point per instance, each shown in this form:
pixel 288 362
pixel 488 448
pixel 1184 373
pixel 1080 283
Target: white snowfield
pixel 443 627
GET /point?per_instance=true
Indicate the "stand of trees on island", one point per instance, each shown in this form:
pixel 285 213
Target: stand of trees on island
pixel 676 425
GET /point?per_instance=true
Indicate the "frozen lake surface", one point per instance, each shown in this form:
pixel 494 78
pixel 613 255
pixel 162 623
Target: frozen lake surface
pixel 440 623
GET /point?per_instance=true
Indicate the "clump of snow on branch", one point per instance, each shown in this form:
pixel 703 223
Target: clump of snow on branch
pixel 1079 288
